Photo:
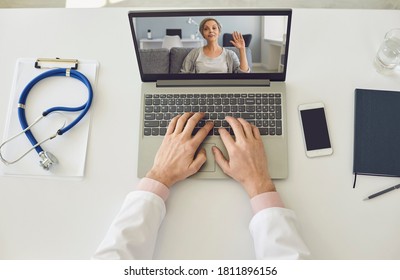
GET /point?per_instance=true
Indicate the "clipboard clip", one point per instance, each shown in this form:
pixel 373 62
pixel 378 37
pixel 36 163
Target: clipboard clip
pixel 50 63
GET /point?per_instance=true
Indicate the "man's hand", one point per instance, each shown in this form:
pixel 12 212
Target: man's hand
pixel 178 156
pixel 247 162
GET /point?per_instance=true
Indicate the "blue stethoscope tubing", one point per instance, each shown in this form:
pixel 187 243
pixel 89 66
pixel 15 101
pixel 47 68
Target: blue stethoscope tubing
pixel 51 73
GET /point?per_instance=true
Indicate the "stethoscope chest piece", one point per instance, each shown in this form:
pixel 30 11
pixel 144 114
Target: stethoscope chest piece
pixel 47 160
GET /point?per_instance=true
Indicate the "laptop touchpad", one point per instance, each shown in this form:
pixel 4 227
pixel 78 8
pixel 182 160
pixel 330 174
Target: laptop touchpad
pixel 209 165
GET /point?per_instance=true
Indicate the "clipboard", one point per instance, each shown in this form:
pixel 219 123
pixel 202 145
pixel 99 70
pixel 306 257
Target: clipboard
pixel 70 148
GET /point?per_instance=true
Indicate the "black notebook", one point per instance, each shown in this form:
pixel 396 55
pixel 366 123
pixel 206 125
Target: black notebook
pixel 377 133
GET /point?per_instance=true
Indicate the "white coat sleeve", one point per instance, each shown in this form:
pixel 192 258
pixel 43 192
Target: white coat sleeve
pixel 133 233
pixel 276 236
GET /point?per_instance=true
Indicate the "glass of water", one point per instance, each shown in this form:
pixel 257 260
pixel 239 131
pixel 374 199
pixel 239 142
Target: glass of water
pixel 388 55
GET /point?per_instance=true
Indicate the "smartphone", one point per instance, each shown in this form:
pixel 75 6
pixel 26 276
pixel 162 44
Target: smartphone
pixel 315 129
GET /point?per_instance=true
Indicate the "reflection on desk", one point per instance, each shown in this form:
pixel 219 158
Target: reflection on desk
pixel 157 43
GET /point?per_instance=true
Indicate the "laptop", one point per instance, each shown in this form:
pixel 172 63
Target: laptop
pixel 258 96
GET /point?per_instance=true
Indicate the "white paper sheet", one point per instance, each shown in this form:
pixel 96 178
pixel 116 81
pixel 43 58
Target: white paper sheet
pixel 69 148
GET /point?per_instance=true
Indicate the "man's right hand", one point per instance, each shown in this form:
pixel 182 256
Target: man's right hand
pixel 247 161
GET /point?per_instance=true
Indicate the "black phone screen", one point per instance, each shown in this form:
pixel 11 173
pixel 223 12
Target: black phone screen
pixel 315 129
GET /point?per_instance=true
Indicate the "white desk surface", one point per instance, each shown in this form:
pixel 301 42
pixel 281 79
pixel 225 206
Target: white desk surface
pixel 331 54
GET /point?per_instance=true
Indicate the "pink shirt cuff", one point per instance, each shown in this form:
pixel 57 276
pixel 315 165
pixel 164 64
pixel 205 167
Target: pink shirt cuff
pixel 266 200
pixel 150 185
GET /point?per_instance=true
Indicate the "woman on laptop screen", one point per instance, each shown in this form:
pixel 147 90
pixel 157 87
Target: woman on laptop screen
pixel 212 58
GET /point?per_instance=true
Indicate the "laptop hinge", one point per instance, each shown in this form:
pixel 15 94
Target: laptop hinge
pixel 213 83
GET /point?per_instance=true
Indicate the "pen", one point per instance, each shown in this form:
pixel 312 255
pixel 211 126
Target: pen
pixel 382 192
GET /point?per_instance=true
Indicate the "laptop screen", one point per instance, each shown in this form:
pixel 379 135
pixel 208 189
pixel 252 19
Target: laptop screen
pixel 169 44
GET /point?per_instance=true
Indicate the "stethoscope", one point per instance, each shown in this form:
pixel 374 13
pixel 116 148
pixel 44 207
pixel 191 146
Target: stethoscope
pixel 47 159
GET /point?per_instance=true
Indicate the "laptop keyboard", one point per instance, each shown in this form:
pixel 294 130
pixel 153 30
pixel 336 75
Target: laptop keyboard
pixel 264 110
